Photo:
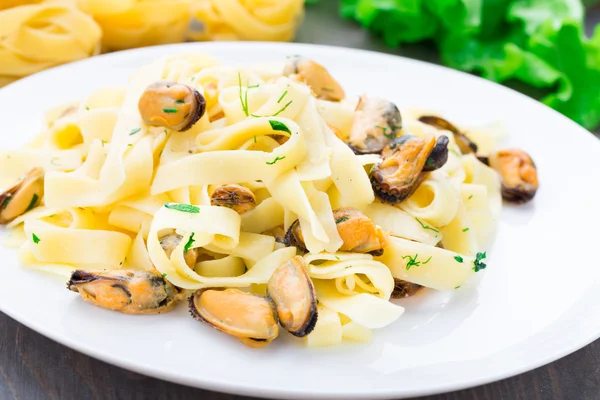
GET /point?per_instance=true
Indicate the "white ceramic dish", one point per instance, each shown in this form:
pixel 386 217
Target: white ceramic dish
pixel 538 300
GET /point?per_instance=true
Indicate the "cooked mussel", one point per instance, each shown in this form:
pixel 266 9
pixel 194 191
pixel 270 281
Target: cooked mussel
pixel 359 234
pixel 438 156
pixel 465 144
pixel 24 195
pixel 376 123
pixel 236 197
pixel 170 241
pixel 315 76
pixel 401 171
pixel 129 292
pixel 250 318
pixel 403 289
pixel 518 174
pixel 294 296
pixel 172 105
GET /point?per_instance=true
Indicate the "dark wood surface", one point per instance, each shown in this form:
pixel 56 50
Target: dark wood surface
pixel 33 367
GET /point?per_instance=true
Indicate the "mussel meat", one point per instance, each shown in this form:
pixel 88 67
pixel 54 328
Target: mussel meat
pixel 250 318
pixel 129 292
pixel 465 144
pixel 401 171
pixel 359 234
pixel 24 195
pixel 403 289
pixel 294 296
pixel 375 125
pixel 518 174
pixel 171 241
pixel 315 76
pixel 236 197
pixel 171 105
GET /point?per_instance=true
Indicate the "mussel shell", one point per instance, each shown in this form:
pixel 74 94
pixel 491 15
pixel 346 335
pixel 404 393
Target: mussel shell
pixel 316 76
pixel 395 189
pixel 438 156
pixel 170 241
pixel 379 121
pixel 403 289
pixel 239 198
pixel 129 292
pixel 293 293
pixel 525 188
pixel 23 196
pixel 465 144
pixel 232 301
pixel 293 236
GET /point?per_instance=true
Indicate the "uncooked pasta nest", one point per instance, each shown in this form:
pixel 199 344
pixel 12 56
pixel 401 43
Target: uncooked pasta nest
pixel 265 199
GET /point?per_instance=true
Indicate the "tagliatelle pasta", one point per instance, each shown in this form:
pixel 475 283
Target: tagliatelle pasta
pixel 247 189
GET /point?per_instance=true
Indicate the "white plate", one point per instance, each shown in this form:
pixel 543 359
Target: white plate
pixel 537 301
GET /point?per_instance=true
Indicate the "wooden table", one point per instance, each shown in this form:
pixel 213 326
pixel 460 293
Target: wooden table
pixel 33 367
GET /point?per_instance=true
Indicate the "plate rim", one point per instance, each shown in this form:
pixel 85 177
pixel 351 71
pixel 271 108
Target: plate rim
pixel 224 386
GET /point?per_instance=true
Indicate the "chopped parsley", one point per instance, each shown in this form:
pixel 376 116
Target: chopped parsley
pixel 186 115
pixel 53 161
pixel 426 226
pixel 33 202
pixel 457 287
pixel 282 96
pixel 36 239
pixel 103 143
pixel 189 243
pixel 87 108
pixel 163 275
pixel 192 78
pixel 413 261
pixel 243 97
pixel 179 102
pixel 134 131
pixel 343 219
pixel 279 126
pixel 169 110
pixel 372 169
pixel 283 109
pixel 470 197
pixel 478 264
pixel 275 160
pixel 458 259
pixel 188 208
pixel 336 257
pixel 465 230
pixel 166 133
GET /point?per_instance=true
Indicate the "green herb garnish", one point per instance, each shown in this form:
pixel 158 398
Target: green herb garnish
pixel 103 143
pixel 169 110
pixel 426 226
pixel 179 101
pixel 134 131
pixel 189 243
pixel 465 230
pixel 457 287
pixel 254 138
pixel 279 126
pixel 343 219
pixel 458 259
pixel 282 96
pixel 337 258
pixel 275 160
pixel 429 259
pixel 470 197
pixel 283 109
pixel 188 208
pixel 163 275
pixel 413 262
pixel 36 239
pixel 478 264
pixel 243 97
pixel 33 202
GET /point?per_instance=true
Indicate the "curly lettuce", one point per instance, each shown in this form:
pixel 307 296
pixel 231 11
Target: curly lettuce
pixel 539 42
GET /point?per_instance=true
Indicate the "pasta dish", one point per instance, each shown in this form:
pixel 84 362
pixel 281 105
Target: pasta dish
pixel 264 198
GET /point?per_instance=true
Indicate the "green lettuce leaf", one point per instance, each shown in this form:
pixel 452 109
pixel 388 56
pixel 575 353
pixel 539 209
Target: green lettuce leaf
pixel 539 42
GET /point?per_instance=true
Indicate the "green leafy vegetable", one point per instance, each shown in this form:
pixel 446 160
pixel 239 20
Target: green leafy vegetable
pixel 279 126
pixel 189 243
pixel 477 263
pixel 36 239
pixel 538 42
pixel 458 259
pixel 188 208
